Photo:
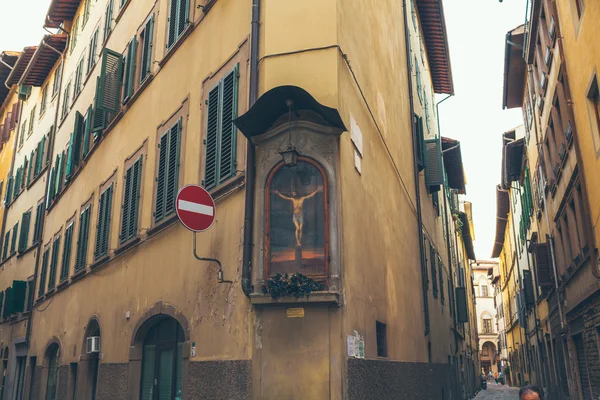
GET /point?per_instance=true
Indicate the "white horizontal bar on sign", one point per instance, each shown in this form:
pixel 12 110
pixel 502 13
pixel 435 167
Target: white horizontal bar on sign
pixel 196 208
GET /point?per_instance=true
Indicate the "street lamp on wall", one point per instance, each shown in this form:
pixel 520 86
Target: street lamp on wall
pixel 290 156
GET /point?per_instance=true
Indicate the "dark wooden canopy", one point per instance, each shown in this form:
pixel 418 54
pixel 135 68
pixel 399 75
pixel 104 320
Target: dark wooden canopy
pixel 44 59
pixel 20 66
pixel 60 11
pixel 7 61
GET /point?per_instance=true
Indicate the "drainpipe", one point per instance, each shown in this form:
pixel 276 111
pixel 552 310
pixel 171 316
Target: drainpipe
pixel 415 165
pixel 250 157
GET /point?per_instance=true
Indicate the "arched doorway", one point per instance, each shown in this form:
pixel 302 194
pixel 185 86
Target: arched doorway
pixel 51 361
pixel 488 358
pixel 86 382
pixel 159 355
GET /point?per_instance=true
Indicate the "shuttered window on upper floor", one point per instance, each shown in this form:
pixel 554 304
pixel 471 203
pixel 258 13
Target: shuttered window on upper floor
pixel 418 122
pixel 147 37
pixel 44 272
pixel 87 131
pixel 37 228
pixel 8 193
pixel 178 20
pixel 13 243
pixel 129 63
pixel 103 226
pixel 109 82
pixel 66 101
pixel 221 133
pixel 167 180
pixel 23 239
pixel 108 19
pixel 82 239
pixel 74 153
pixel 92 50
pixel 54 263
pixel 432 264
pixel 78 78
pixel 67 246
pixel 6 243
pixel 441 276
pixel 543 264
pixel 131 201
pixel 434 175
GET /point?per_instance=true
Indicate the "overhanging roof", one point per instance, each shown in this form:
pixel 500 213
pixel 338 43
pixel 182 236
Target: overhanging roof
pixel 273 104
pixel 453 164
pixel 514 69
pixel 60 11
pixel 502 209
pixel 15 75
pixel 431 13
pixel 466 235
pixel 7 61
pixel 44 59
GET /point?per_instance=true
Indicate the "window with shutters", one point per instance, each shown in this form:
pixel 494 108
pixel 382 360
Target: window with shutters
pixel 441 276
pixel 74 151
pixel 146 45
pixel 167 173
pixel 66 101
pixel 23 239
pixel 53 263
pixel 433 165
pixel 108 15
pixel 13 243
pixel 86 13
pixel 56 82
pixel 5 245
pixel 131 200
pixel 39 218
pixel 221 134
pixel 87 133
pixel 178 20
pixel 92 49
pixel 129 63
pixel 78 78
pixel 418 79
pixel 22 135
pixel 44 271
pixel 44 101
pixel 418 122
pixel 432 264
pixel 67 247
pixel 73 36
pixel 103 225
pixel 108 87
pixel 83 238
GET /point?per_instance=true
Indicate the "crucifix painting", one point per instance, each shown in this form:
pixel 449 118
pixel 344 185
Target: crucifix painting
pixel 296 219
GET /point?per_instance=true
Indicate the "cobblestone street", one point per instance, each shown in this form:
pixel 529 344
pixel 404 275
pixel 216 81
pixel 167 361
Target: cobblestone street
pixel 498 392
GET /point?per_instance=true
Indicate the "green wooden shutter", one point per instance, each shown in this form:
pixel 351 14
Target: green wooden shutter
pixel 8 302
pixel 441 276
pixel 19 289
pixel 51 186
pixel 23 239
pixel 98 251
pixel 54 263
pixel 1 301
pixel 108 19
pixel 211 141
pixel 462 313
pixel 69 170
pixel 147 38
pixel 432 261
pixel 148 368
pixel 173 169
pixel 30 168
pixel 8 194
pixel 78 131
pixel 43 272
pixel 103 230
pixel 13 243
pixel 86 131
pixel 433 171
pixel 126 207
pixel 135 198
pixel 98 119
pixel 110 82
pixel 161 178
pixel 59 172
pixel 82 241
pixel 183 16
pixel 6 242
pixel 37 229
pixel 172 23
pixel 130 70
pixel 66 260
pixel 228 148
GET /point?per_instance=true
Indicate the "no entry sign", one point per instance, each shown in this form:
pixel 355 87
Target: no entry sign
pixel 195 208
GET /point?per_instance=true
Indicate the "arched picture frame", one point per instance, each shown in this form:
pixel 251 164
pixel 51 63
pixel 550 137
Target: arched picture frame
pixel 297 225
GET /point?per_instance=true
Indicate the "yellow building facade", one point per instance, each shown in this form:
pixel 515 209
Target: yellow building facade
pixel 323 159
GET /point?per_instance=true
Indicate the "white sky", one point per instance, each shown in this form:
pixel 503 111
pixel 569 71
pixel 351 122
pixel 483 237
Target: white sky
pixel 476 30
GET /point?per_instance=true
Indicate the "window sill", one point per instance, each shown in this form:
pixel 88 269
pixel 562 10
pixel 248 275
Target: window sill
pixel 229 186
pixel 62 284
pixel 100 261
pixel 186 32
pixel 78 275
pixel 27 250
pixel 168 221
pixel 39 175
pixel 127 245
pixel 317 298
pixel 122 11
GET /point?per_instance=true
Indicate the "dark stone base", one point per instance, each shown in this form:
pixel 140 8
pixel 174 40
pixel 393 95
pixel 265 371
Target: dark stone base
pixel 220 380
pixel 37 381
pixel 112 381
pixel 387 380
pixel 63 382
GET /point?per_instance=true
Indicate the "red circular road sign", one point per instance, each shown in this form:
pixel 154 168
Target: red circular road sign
pixel 195 208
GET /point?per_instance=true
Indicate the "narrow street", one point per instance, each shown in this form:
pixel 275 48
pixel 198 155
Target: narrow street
pixel 498 392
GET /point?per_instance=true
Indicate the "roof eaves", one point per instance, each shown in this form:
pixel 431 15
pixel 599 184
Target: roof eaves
pixel 19 68
pixel 453 164
pixel 43 60
pixel 502 209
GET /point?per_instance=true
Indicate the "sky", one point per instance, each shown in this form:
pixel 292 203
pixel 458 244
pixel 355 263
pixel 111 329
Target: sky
pixel 474 116
pixel 476 32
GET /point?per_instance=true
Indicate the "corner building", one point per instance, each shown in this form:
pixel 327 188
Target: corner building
pixel 323 158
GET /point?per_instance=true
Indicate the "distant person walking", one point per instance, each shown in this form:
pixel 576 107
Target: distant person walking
pixel 531 392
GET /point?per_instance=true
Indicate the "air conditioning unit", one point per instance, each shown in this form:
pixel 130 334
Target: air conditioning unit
pixel 93 344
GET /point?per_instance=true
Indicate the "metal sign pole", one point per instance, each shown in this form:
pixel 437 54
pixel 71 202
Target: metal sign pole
pixel 219 272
